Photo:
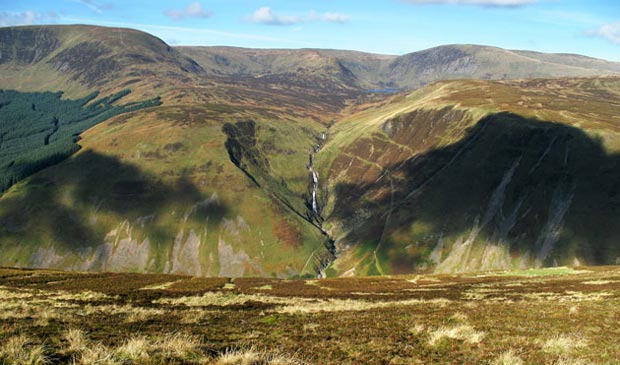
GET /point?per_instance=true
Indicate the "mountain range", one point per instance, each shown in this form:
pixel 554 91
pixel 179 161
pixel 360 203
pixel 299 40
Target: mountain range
pixel 223 161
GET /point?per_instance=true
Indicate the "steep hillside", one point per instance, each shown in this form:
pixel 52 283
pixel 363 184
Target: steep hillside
pixel 156 191
pixel 470 175
pixel 490 63
pixel 347 69
pixel 77 59
pixel 315 68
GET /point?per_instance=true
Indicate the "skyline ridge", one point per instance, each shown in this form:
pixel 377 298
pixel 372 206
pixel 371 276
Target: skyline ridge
pixel 391 27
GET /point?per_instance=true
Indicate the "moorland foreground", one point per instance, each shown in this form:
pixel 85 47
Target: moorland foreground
pixel 546 316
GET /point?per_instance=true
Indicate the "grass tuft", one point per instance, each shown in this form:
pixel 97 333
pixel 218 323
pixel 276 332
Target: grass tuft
pixel 19 350
pixel 252 356
pixel 134 349
pixel 97 354
pixel 178 345
pixel 571 361
pixel 463 332
pixel 77 342
pixel 508 358
pixel 563 344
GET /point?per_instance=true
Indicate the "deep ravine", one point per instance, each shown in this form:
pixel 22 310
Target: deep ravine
pixel 313 205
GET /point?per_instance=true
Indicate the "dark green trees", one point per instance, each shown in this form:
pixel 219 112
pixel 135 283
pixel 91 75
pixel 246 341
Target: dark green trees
pixel 41 129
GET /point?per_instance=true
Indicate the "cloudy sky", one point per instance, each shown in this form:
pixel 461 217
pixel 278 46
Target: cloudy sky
pixel 381 26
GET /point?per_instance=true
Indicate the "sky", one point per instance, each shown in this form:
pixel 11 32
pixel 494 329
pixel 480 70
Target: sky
pixel 585 27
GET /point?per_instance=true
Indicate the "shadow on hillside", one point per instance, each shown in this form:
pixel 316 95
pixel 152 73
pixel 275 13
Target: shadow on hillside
pixel 538 187
pixel 63 202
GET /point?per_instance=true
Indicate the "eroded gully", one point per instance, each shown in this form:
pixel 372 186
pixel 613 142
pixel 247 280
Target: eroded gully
pixel 313 204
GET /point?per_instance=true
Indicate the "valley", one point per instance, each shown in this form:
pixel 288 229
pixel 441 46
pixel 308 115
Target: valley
pixel 283 163
pixel 407 182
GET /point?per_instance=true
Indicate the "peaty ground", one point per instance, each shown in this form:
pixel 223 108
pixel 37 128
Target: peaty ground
pixel 547 316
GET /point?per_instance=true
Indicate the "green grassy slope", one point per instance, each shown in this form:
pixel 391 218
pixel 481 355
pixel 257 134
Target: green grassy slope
pixel 156 191
pixel 77 59
pixel 469 175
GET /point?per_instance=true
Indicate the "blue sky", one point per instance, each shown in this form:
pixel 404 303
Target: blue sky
pixel 382 26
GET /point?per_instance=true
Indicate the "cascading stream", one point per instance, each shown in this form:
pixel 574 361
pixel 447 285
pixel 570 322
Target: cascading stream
pixel 316 209
pixel 315 175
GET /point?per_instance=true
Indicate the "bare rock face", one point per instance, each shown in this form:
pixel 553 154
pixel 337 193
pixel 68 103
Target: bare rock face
pixel 235 263
pixel 186 255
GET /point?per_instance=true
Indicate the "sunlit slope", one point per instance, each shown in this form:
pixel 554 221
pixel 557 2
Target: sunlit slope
pixel 491 63
pixel 77 59
pixel 469 175
pixel 156 191
pixel 339 69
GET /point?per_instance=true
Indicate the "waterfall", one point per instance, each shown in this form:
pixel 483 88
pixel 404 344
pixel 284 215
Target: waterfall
pixel 315 187
pixel 315 176
pixel 316 218
pixel 314 206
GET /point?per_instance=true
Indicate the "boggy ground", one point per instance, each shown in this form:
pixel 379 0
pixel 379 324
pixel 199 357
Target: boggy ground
pixel 547 316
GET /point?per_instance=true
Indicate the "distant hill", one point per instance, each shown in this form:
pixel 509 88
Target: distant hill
pixel 77 59
pixel 373 71
pixel 80 58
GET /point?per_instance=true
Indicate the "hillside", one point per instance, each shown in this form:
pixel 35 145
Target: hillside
pixel 281 163
pixel 40 129
pixel 155 190
pixel 469 175
pixel 373 71
pixel 76 59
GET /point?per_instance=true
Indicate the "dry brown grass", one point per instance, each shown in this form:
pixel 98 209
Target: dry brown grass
pixel 508 358
pixel 20 350
pixel 252 356
pixel 96 354
pixel 77 342
pixel 462 332
pixel 357 321
pixel 572 361
pixel 563 344
pixel 179 345
pixel 134 350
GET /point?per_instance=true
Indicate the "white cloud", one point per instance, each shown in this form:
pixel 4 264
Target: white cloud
pixel 489 3
pixel 95 6
pixel 265 15
pixel 29 17
pixel 193 10
pixel 610 32
pixel 335 18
